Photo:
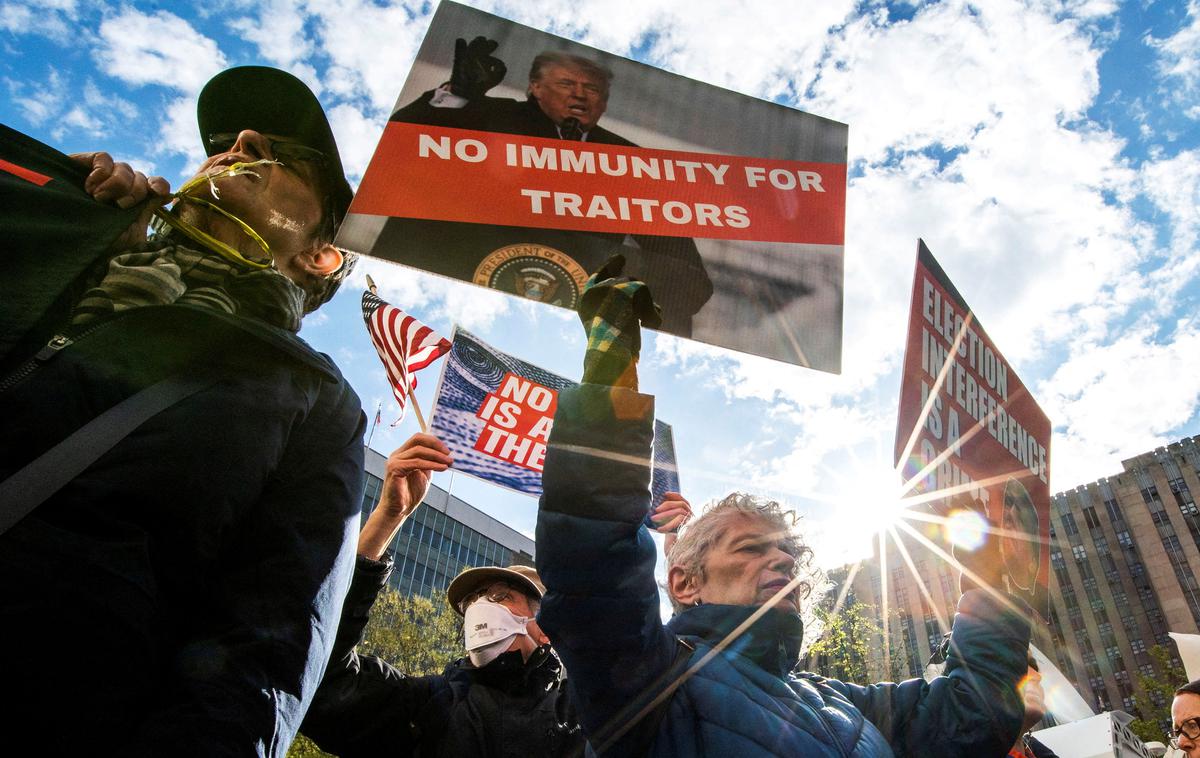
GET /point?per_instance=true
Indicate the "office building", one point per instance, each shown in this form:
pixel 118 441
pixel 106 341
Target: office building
pixel 1125 551
pixel 442 537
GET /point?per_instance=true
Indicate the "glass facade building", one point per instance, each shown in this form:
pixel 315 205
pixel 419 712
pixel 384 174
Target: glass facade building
pixel 443 537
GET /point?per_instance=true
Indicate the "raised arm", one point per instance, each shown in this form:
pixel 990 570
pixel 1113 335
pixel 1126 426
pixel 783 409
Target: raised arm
pixel 601 609
pixel 405 482
pixel 365 706
pixel 975 707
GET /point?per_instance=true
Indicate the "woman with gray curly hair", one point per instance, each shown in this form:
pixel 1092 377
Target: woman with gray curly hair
pixel 719 678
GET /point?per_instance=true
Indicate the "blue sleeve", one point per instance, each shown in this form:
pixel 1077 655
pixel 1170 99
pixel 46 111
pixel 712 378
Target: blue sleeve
pixel 601 609
pixel 974 708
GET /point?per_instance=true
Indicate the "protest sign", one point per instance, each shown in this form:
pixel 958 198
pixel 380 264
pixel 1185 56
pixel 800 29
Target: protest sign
pixel 495 412
pixel 731 208
pixel 966 422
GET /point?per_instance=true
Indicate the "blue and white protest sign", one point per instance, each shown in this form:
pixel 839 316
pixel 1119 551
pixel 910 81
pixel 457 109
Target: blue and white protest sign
pixel 495 413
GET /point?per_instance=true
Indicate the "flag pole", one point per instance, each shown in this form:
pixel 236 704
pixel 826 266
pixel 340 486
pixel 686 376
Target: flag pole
pixel 371 285
pixel 375 423
pixel 420 416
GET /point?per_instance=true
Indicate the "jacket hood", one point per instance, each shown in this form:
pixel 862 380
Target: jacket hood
pixel 773 641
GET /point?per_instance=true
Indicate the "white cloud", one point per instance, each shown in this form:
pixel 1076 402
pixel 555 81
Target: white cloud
pixel 954 68
pixel 279 34
pixel 49 19
pixel 1115 400
pixel 435 300
pixel 370 47
pixel 178 130
pixel 79 119
pixel 1174 186
pixel 1179 59
pixel 157 48
pixel 39 102
pixel 117 108
pixel 357 135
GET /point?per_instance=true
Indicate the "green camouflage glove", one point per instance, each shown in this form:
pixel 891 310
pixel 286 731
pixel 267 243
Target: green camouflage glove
pixel 613 309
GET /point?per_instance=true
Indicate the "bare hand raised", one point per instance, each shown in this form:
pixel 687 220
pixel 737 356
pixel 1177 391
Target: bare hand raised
pixel 405 482
pixel 671 514
pixel 409 469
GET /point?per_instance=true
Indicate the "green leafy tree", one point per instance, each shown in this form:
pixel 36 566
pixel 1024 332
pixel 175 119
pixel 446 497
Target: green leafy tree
pixel 414 633
pixel 1153 702
pixel 850 647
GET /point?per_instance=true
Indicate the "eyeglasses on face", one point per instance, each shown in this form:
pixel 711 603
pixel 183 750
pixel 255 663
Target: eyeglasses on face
pixel 496 592
pixel 1190 728
pixel 283 149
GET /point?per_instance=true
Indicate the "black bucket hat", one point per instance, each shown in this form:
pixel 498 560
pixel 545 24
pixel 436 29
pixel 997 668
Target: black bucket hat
pixel 272 101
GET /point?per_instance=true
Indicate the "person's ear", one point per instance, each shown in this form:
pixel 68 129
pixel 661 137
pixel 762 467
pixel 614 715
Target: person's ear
pixel 683 586
pixel 322 260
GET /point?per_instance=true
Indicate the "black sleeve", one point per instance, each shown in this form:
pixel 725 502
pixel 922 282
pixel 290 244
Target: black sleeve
pixel 364 706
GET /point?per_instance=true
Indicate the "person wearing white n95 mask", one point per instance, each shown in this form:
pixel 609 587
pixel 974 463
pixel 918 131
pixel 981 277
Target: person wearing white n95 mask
pixel 491 629
pixel 507 696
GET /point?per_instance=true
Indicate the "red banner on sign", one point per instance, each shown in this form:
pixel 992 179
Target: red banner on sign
pixel 517 421
pixel 968 426
pixel 464 175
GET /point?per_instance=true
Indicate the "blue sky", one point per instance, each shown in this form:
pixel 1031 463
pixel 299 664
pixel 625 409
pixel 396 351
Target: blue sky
pixel 1048 153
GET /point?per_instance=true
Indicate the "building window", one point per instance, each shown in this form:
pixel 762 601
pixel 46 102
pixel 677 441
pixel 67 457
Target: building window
pixel 1070 528
pixel 1137 645
pixel 1114 511
pixel 1080 552
pixel 1106 635
pixel 1090 517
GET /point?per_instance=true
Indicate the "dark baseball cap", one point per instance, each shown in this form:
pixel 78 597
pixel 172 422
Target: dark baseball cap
pixel 524 578
pixel 272 101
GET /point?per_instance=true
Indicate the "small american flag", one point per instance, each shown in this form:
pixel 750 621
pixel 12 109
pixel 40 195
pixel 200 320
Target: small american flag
pixel 404 344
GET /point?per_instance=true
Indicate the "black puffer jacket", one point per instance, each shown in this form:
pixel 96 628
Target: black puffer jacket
pixel 511 707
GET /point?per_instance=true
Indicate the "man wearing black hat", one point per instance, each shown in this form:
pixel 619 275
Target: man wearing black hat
pixel 178 581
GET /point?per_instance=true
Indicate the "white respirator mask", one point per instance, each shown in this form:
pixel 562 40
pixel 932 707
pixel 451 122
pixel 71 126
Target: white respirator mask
pixel 490 629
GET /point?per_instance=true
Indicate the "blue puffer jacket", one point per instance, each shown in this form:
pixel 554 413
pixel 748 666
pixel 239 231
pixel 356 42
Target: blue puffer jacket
pixel 601 612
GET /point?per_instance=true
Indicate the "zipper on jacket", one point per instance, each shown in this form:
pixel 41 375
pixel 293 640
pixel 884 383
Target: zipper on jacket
pixel 56 345
pixel 51 349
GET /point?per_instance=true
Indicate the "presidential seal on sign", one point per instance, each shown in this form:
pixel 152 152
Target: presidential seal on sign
pixel 533 271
